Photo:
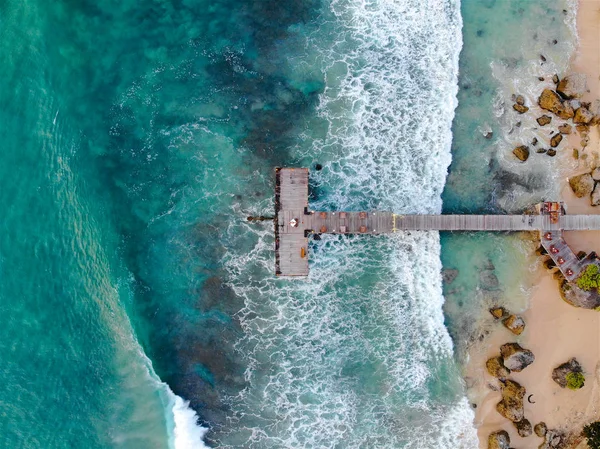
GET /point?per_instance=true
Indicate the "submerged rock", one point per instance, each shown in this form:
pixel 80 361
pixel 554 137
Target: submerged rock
pixel 540 429
pixel 582 185
pixel 544 120
pixel 541 150
pixel 551 152
pixel 488 280
pixel 522 152
pixel 523 428
pixel 559 374
pixel 496 368
pixel 556 139
pixel 515 324
pixel 499 440
pixel 520 100
pixel 572 86
pixel 565 129
pixel 511 405
pixel 551 101
pixel 449 275
pixel 515 357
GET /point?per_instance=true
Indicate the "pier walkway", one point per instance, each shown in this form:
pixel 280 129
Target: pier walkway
pixel 294 222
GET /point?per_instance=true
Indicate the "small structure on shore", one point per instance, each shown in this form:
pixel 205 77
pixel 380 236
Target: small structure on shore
pixel 295 222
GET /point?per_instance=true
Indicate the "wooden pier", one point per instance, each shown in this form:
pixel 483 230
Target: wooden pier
pixel 294 223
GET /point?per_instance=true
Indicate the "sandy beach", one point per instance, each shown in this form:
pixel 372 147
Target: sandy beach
pixel 555 331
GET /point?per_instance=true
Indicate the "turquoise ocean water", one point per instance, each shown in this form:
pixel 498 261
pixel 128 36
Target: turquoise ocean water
pixel 140 310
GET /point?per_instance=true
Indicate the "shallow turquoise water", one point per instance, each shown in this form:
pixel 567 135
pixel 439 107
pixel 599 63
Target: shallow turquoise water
pixel 137 138
pixel 501 57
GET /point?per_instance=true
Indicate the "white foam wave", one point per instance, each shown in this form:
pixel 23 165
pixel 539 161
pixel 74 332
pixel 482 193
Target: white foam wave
pixel 187 434
pixel 390 111
pixel 347 358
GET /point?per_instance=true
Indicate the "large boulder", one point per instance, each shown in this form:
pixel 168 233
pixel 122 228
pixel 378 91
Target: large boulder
pixel 596 195
pixel 496 368
pixel 488 280
pixel 515 357
pixel 515 324
pixel 524 428
pixel 511 405
pixel 560 373
pixel 522 152
pixel 572 86
pixel 551 101
pixel 582 116
pixel 499 440
pixel 582 185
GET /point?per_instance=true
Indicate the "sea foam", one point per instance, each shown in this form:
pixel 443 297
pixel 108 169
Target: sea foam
pixel 187 434
pixel 347 358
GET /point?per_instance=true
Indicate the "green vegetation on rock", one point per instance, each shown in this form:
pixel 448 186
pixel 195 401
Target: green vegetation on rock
pixel 590 278
pixel 575 380
pixel 592 433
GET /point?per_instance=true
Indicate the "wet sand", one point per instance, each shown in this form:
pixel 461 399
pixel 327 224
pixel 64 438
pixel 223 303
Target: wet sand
pixel 555 331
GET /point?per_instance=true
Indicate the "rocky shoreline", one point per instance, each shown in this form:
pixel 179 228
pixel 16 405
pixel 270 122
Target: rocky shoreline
pixel 564 110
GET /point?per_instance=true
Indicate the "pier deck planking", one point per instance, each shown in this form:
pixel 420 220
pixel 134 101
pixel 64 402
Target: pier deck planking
pixel 294 222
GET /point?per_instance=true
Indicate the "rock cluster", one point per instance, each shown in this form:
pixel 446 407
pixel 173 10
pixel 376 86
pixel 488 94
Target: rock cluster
pixel 565 103
pixel 513 323
pixel 512 358
pixel 519 105
pixel 587 184
pixel 551 101
pixel 553 439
